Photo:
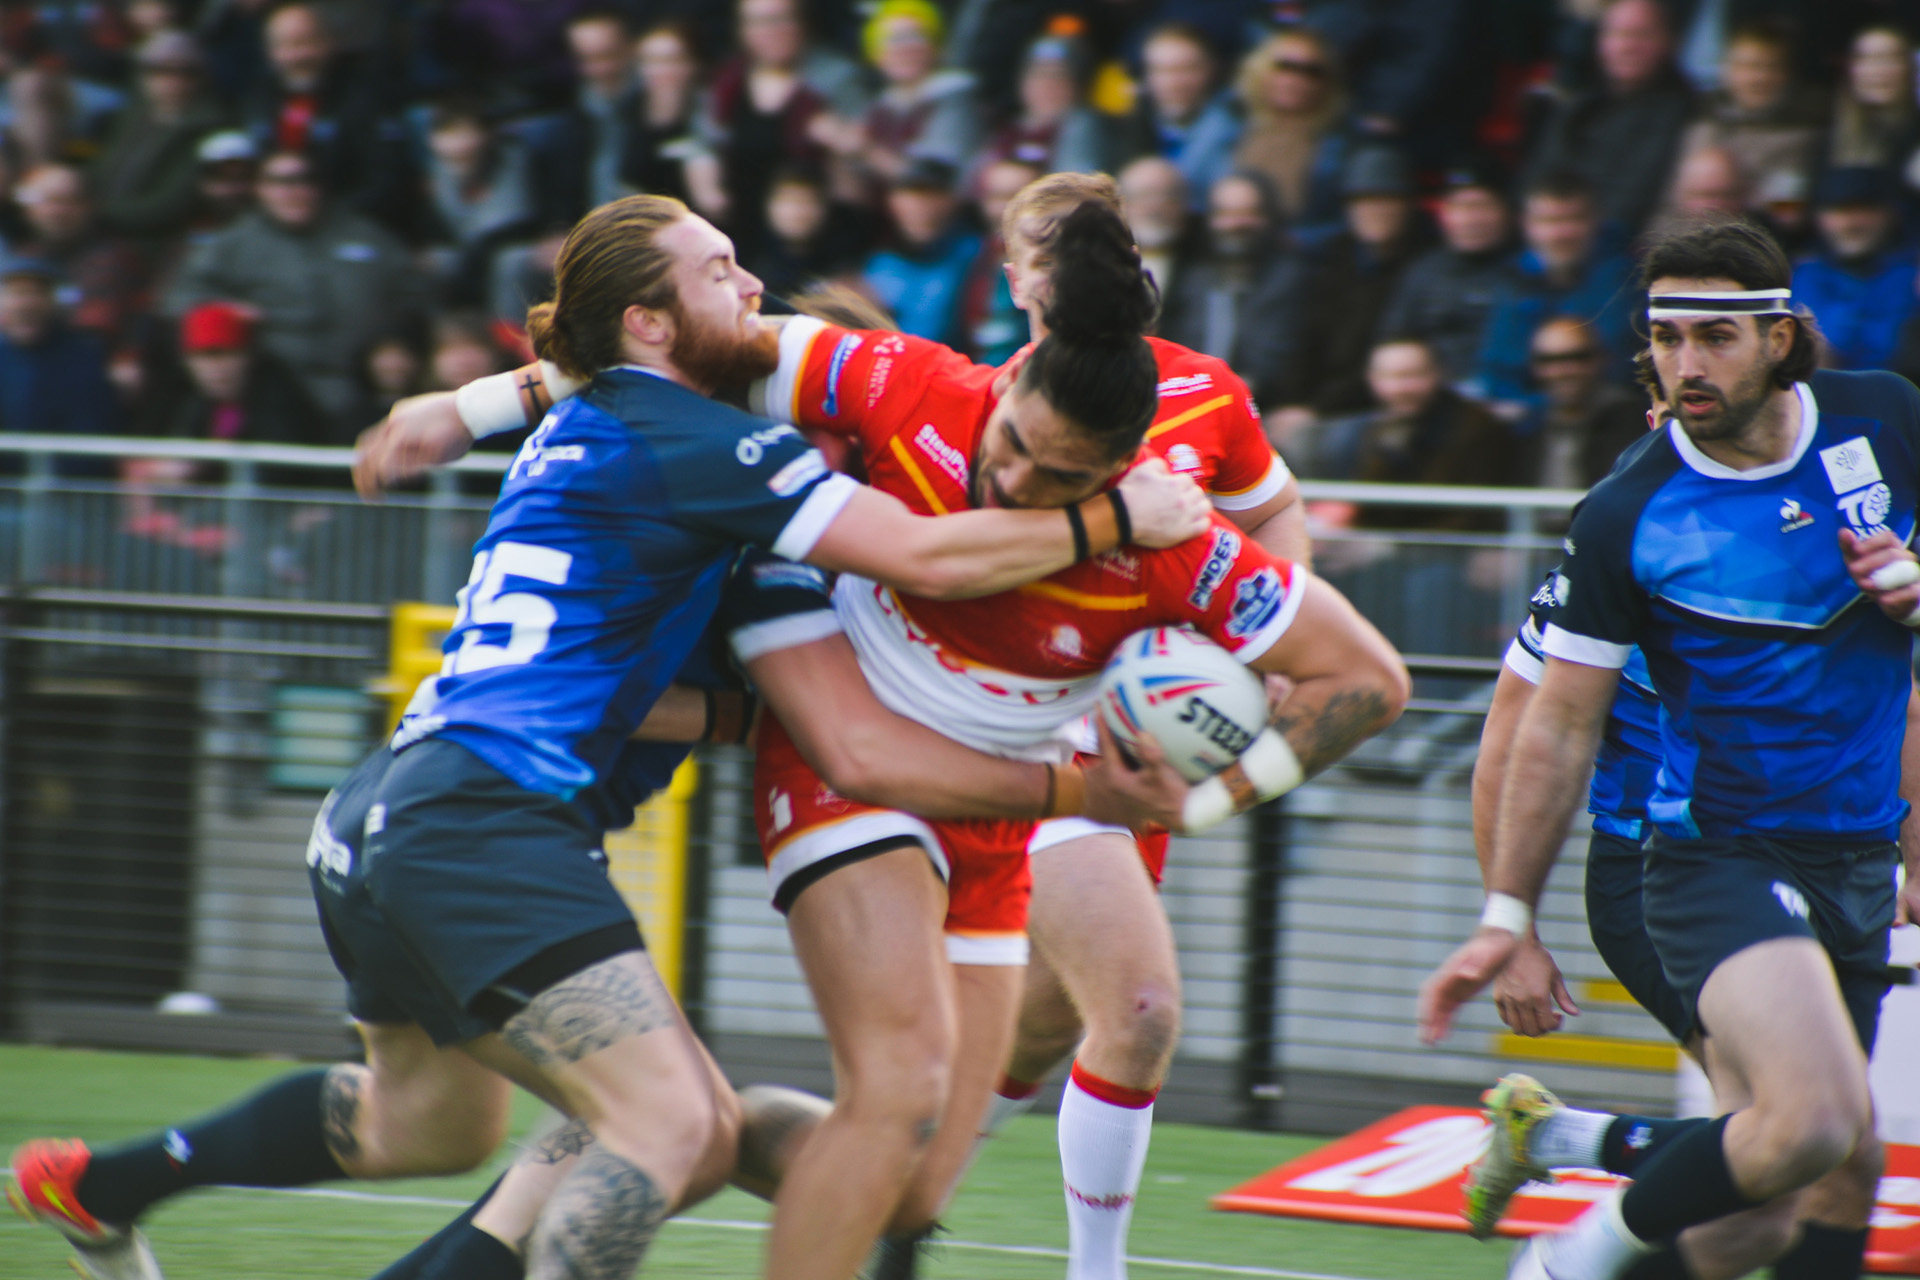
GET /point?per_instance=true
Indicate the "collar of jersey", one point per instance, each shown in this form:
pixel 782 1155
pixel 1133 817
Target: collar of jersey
pixel 641 368
pixel 1691 455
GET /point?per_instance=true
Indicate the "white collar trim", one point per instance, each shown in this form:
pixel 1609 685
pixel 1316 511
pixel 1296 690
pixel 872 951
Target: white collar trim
pixel 1691 455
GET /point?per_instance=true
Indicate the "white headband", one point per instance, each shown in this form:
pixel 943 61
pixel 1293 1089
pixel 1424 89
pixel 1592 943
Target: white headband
pixel 1742 302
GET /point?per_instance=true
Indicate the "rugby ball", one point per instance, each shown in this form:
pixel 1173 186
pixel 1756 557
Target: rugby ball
pixel 1185 692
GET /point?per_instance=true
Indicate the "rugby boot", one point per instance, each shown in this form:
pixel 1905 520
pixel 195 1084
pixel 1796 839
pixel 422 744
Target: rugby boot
pixel 1514 1108
pixel 45 1189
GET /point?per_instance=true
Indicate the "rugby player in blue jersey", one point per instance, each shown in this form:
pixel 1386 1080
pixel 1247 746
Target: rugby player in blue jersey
pixel 1769 880
pixel 598 573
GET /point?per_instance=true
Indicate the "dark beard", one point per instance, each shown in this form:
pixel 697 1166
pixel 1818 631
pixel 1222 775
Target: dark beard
pixel 717 360
pixel 1738 408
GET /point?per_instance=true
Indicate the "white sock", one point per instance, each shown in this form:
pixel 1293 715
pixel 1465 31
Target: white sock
pixel 1002 1108
pixel 1597 1246
pixel 1103 1150
pixel 1569 1139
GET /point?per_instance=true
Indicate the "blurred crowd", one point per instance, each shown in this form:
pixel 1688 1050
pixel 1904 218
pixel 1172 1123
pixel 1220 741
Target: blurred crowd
pixel 1409 224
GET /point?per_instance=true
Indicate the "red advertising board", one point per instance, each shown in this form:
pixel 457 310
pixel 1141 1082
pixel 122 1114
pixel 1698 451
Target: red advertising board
pixel 1406 1171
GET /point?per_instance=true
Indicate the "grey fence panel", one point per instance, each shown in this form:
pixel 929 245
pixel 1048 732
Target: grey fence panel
pixel 184 668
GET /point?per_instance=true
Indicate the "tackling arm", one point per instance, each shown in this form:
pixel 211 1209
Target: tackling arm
pixel 1348 682
pixel 1279 525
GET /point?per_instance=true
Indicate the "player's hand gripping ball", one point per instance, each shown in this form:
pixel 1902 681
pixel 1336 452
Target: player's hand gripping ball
pixel 1191 696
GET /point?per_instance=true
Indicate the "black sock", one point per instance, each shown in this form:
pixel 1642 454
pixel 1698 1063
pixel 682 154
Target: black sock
pixel 1664 1265
pixel 1687 1183
pixel 1824 1253
pixel 414 1265
pixel 471 1254
pixel 1631 1141
pixel 273 1139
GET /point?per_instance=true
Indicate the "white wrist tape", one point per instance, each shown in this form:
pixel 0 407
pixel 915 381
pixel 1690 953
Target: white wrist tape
pixel 1892 577
pixel 490 405
pixel 1264 770
pixel 1504 911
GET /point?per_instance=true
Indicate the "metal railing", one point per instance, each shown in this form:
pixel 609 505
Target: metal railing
pixel 185 668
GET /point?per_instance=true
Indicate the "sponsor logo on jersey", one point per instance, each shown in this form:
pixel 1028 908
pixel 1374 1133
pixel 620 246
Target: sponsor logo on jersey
pixel 798 474
pixel 1185 385
pixel 1548 596
pixel 324 849
pixel 1867 509
pixel 1066 641
pixel 1791 899
pixel 752 448
pixel 944 455
pixel 785 573
pixel 1183 457
pixel 1219 562
pixel 1850 464
pixel 780 809
pixel 1793 516
pixel 835 364
pixel 1567 545
pixel 1255 601
pixel 1120 564
pixel 883 352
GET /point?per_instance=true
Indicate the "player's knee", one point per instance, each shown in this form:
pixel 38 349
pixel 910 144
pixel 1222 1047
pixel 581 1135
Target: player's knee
pixel 1152 1025
pixel 1806 1141
pixel 899 1081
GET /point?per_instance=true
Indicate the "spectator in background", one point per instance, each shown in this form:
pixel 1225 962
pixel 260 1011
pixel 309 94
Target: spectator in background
pixel 463 349
pixel 809 235
pixel 1583 422
pixel 322 280
pixel 145 177
pixel 320 103
pixel 1564 271
pixel 1875 124
pixel 53 119
pixel 1055 130
pixel 1782 206
pixel 1769 125
pixel 236 390
pixel 923 109
pixel 1419 431
pixel 1291 89
pixel 53 378
pixel 102 282
pixel 1154 193
pixel 512 52
pixel 664 154
pixel 920 279
pixel 479 190
pixel 1708 184
pixel 1225 300
pixel 995 327
pixel 1323 336
pixel 1860 281
pixel 1184 116
pixel 523 276
pixel 1447 296
pixel 765 114
pixel 594 127
pixel 391 369
pixel 1623 136
pixel 1414 75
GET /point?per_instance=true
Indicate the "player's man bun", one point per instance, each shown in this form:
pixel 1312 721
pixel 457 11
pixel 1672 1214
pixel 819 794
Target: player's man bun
pixel 608 263
pixel 1094 366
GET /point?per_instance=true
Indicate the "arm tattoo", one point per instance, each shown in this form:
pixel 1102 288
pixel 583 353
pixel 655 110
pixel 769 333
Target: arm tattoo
pixel 340 1110
pixel 598 1223
pixel 1339 725
pixel 609 1001
pixel 773 1122
pixel 570 1139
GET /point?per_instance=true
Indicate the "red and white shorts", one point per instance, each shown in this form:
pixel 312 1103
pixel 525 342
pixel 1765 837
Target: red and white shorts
pixel 803 824
pixel 1152 844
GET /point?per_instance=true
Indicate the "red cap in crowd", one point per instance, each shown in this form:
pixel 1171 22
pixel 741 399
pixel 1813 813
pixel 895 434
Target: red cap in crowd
pixel 216 326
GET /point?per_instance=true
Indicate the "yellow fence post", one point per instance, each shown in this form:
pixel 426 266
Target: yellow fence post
pixel 646 861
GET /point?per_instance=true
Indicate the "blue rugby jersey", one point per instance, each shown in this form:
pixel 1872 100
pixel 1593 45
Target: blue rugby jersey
pixel 1783 692
pixel 601 566
pixel 1629 755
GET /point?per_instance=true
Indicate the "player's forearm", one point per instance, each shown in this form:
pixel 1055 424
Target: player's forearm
pixel 685 713
pixel 1510 695
pixel 1546 773
pixel 1910 788
pixel 1348 681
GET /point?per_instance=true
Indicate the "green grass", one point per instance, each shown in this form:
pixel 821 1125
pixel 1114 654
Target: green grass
pixel 1012 1197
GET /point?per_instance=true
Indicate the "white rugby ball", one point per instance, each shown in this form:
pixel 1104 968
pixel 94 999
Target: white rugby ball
pixel 1191 696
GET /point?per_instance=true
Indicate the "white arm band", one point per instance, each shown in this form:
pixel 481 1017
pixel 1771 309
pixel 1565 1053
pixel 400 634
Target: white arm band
pixel 1264 770
pixel 491 404
pixel 1892 577
pixel 1504 911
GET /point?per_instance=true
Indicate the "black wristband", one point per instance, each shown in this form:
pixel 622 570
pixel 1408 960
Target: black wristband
pixel 1121 519
pixel 1078 523
pixel 706 734
pixel 748 706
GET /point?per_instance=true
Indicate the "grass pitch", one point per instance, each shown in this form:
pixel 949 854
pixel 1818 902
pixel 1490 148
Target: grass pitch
pixel 1008 1223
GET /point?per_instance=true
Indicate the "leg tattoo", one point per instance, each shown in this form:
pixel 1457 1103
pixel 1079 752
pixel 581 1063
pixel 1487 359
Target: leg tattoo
pixel 340 1095
pixel 583 1014
pixel 599 1222
pixel 570 1139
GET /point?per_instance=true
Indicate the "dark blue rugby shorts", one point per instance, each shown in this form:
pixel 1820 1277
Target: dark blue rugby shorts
pixel 1618 924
